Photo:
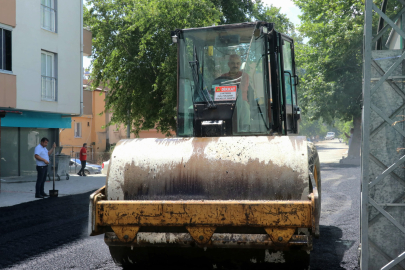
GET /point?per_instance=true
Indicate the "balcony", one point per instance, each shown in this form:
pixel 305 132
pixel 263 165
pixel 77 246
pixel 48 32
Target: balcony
pixel 48 18
pixel 48 88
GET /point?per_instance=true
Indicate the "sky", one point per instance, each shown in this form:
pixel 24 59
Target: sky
pixel 287 7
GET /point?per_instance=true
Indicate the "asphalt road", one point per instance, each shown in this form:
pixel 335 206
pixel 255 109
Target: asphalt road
pixel 337 247
pixel 52 233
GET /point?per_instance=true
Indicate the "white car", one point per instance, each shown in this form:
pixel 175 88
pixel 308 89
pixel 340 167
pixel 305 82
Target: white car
pixel 330 136
pixel 104 167
pixel 75 166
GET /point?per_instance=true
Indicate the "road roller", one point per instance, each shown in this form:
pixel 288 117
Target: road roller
pixel 237 187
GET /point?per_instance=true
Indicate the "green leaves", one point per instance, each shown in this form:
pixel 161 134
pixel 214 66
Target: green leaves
pixel 134 57
pixel 331 61
pixel 272 14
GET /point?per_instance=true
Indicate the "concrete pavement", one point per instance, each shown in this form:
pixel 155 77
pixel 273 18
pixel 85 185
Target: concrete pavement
pixel 324 148
pixel 20 190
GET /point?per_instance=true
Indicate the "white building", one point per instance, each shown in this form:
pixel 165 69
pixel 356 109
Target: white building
pixel 40 75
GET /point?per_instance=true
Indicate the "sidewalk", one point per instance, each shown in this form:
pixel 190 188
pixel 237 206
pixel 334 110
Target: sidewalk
pixel 16 190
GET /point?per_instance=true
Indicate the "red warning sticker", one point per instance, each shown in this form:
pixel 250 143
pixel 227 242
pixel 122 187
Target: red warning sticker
pixel 223 93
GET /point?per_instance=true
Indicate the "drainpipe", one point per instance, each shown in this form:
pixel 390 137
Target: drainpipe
pixel 81 64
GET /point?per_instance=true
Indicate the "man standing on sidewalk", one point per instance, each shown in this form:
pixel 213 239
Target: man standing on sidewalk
pixel 41 155
pixel 83 158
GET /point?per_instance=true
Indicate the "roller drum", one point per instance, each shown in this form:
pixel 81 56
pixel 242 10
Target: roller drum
pixel 217 168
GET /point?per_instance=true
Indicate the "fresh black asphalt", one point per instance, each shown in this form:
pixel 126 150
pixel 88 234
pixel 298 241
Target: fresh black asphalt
pixel 52 233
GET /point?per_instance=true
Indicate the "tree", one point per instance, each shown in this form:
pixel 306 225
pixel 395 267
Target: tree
pixel 134 56
pixel 313 128
pixel 331 86
pixel 235 11
pixel 272 14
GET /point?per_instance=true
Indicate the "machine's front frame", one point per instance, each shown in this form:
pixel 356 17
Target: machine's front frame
pixel 280 219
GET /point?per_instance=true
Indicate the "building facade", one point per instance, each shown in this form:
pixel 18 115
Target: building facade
pixel 41 51
pixel 92 128
pixel 89 128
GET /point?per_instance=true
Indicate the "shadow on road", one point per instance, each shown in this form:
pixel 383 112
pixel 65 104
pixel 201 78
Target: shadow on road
pixel 333 166
pixel 320 148
pixel 329 249
pixel 33 228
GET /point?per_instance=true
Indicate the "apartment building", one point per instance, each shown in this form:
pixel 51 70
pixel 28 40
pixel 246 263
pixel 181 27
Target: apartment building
pixel 41 59
pixel 92 128
pixel 89 128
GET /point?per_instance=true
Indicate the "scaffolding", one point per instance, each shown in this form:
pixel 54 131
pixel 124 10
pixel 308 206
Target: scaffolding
pixel 383 138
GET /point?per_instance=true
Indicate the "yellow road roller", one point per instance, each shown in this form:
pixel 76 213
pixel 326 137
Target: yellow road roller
pixel 237 187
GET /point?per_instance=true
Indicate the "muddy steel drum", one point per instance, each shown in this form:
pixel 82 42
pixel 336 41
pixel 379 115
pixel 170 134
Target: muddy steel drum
pixel 225 168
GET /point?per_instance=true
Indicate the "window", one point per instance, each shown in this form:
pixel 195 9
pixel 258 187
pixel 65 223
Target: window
pixel 5 49
pixel 48 80
pixel 289 72
pixel 78 130
pixel 48 14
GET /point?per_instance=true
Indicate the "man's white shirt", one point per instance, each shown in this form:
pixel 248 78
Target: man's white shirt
pixel 43 153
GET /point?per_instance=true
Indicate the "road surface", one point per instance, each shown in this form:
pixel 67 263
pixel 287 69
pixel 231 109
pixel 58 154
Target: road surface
pixel 52 233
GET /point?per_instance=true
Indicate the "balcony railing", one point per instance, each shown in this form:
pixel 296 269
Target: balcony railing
pixel 48 18
pixel 48 88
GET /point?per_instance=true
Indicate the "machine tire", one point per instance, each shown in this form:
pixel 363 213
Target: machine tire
pixel 86 172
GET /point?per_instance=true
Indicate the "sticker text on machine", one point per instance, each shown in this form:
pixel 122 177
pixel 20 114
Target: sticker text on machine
pixel 225 93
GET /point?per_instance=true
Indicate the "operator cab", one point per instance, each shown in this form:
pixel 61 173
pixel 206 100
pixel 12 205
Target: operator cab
pixel 235 80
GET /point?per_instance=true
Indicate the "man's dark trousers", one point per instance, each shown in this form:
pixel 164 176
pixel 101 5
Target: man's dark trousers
pixel 83 166
pixel 41 178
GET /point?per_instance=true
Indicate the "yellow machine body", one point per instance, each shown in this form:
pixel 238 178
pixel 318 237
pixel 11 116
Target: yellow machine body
pixel 187 189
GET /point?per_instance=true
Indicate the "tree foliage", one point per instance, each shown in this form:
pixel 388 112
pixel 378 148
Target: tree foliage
pixel 331 62
pixel 332 58
pixel 134 56
pixel 272 14
pixel 313 128
pixel 235 11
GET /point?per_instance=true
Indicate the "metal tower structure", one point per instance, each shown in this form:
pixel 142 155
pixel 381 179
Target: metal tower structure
pixel 383 138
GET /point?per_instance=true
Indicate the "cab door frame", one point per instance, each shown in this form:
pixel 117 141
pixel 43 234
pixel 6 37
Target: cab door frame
pixel 282 38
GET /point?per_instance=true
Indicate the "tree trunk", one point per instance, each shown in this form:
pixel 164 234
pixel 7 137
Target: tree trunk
pixel 354 149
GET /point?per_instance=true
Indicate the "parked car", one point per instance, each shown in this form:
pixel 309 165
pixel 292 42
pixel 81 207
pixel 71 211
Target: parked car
pixel 104 167
pixel 75 166
pixel 330 136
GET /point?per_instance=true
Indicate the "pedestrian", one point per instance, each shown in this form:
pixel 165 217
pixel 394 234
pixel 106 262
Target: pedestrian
pixel 83 158
pixel 41 155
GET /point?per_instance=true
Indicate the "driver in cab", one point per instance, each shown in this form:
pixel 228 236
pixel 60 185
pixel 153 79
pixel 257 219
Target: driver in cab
pixel 242 104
